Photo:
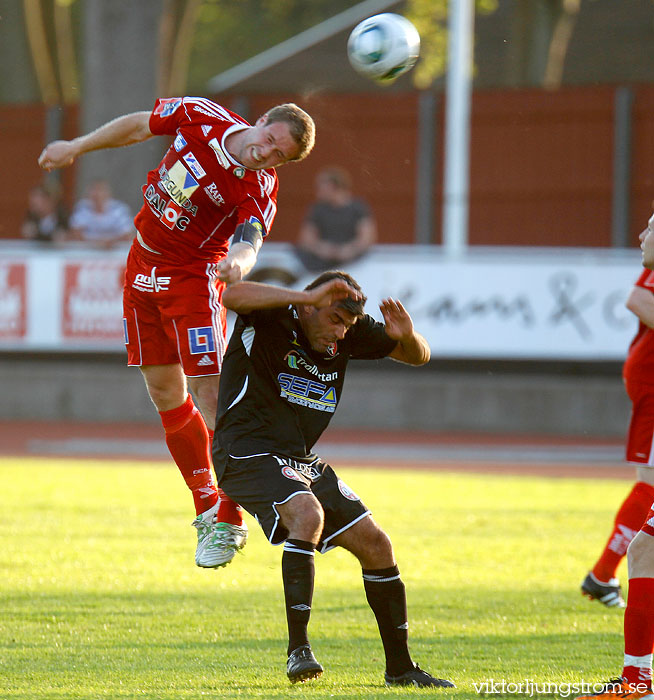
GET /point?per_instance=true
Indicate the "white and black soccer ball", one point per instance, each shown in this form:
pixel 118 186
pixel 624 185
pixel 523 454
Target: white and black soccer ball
pixel 383 47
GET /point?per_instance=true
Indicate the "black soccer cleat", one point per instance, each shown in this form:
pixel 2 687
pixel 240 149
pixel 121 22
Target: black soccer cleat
pixel 610 594
pixel 418 678
pixel 302 665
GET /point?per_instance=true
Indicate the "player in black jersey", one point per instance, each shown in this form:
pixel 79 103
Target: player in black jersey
pixel 282 379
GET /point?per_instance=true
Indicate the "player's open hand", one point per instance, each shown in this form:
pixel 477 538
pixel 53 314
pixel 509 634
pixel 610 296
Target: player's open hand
pixel 57 154
pixel 396 318
pixel 329 292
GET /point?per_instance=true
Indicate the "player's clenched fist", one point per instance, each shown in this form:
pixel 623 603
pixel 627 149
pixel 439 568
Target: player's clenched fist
pixel 229 271
pixel 57 154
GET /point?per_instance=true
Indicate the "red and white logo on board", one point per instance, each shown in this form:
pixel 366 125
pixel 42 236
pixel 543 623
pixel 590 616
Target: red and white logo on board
pixel 93 301
pixel 13 301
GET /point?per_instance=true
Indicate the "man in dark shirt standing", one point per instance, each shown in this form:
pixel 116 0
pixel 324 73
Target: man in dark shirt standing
pixel 282 379
pixel 339 228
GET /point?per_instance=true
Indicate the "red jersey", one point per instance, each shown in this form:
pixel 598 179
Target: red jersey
pixel 199 194
pixel 639 365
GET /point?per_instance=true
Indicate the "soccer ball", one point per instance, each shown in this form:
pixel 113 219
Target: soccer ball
pixel 383 47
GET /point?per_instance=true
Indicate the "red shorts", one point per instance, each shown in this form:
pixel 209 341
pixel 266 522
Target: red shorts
pixel 173 314
pixel 640 438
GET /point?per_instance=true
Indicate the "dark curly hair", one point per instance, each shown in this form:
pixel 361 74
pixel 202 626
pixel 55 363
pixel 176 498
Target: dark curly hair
pixel 353 306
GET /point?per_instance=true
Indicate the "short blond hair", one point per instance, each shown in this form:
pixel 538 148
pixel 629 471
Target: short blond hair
pixel 300 125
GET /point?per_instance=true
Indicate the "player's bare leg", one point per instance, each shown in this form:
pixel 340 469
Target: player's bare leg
pixel 205 390
pixel 635 682
pixel 387 598
pixel 601 582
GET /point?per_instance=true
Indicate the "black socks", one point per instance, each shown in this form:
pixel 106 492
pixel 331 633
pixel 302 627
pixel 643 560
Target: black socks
pixel 298 575
pixel 387 598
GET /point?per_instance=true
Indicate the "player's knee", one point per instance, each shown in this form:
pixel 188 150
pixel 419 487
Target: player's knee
pixel 303 517
pixel 167 389
pixel 205 390
pixel 314 521
pixel 640 548
pixel 380 544
pixel 641 556
pixel 165 398
pixel 369 543
pixel 312 516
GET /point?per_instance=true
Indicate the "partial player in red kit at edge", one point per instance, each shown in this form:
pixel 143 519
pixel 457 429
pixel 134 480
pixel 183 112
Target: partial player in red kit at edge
pixel 638 374
pixel 215 183
pixel 635 680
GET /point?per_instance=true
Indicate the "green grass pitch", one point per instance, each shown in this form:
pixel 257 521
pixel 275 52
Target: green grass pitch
pixel 100 598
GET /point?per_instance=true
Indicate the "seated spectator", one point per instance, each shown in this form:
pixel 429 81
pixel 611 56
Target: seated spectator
pixel 45 219
pixel 338 228
pixel 100 219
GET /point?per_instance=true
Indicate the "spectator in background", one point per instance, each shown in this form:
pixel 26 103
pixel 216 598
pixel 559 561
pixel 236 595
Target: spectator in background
pixel 338 228
pixel 100 219
pixel 45 219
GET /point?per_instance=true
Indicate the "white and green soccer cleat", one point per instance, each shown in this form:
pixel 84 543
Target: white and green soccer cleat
pixel 204 525
pixel 217 542
pixel 226 539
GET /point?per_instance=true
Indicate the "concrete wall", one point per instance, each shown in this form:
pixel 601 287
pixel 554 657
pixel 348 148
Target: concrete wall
pixel 486 401
pixel 488 397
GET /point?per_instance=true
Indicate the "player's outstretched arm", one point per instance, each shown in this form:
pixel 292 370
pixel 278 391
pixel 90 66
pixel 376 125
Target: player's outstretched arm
pixel 244 297
pixel 122 131
pixel 411 347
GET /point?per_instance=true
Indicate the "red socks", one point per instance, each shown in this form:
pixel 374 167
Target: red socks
pixel 639 631
pixel 628 520
pixel 228 511
pixel 188 441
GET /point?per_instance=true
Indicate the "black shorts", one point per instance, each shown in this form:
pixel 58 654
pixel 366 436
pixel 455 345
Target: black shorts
pixel 259 483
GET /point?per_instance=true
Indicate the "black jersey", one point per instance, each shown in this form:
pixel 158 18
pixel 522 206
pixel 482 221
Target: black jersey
pixel 276 393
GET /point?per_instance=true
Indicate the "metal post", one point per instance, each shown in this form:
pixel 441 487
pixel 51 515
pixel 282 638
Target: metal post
pixel 457 127
pixel 620 214
pixel 425 167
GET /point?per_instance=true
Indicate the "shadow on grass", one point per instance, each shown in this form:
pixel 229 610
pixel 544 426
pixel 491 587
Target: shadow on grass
pixel 488 631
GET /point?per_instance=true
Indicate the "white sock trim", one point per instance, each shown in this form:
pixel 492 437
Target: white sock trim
pixel 638 661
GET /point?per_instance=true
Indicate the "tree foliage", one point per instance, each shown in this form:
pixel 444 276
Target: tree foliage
pixel 430 19
pixel 231 31
pixel 200 38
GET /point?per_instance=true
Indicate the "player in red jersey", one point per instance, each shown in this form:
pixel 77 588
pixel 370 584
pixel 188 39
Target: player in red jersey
pixel 638 373
pixel 635 682
pixel 216 182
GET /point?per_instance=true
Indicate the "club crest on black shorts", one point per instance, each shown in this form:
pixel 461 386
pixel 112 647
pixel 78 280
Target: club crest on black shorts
pixel 347 491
